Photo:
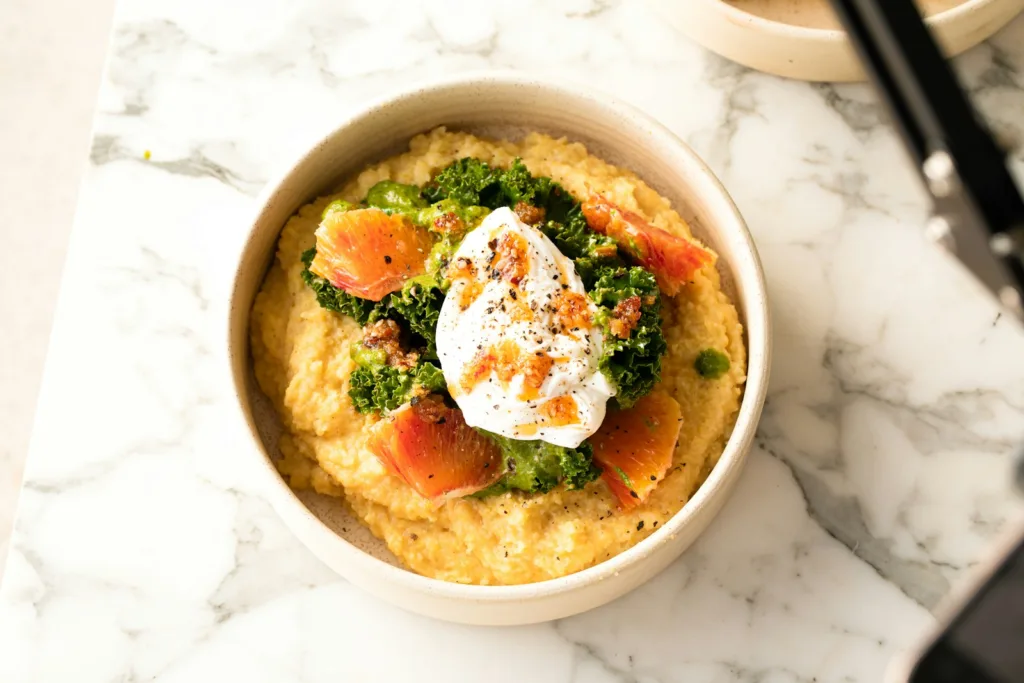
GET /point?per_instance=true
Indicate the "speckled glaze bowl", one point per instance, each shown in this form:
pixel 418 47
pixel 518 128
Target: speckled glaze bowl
pixel 503 106
pixel 801 38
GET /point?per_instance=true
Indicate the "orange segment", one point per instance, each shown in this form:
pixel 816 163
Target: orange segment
pixel 430 447
pixel 634 447
pixel 368 253
pixel 672 259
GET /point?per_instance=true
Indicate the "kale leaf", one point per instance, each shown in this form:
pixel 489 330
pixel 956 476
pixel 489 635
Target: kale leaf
pixel 578 467
pixel 334 299
pixel 519 185
pixel 471 182
pixel 468 181
pixel 418 305
pixel 590 251
pixel 377 389
pixel 632 365
pixel 538 466
pixel 381 388
pixel 575 239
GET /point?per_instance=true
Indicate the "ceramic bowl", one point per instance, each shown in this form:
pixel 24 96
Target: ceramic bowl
pixel 801 38
pixel 501 106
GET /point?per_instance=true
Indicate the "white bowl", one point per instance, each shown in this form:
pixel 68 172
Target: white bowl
pixel 801 39
pixel 502 106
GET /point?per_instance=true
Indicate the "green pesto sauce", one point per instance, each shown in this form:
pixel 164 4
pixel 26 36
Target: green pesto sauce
pixel 711 363
pixel 387 194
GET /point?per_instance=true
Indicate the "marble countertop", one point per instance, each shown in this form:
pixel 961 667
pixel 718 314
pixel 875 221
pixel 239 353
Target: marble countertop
pixel 881 471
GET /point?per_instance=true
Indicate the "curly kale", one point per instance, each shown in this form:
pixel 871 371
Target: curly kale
pixel 519 185
pixel 418 306
pixel 633 365
pixel 378 389
pixel 468 181
pixel 538 466
pixel 575 239
pixel 334 299
pixel 578 468
pixel 375 388
pixel 471 182
pixel 590 251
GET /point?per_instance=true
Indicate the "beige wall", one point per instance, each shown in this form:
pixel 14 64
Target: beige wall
pixel 51 56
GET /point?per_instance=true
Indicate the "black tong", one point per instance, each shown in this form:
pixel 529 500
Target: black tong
pixel 978 210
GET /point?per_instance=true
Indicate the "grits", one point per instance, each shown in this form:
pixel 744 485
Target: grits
pixel 301 355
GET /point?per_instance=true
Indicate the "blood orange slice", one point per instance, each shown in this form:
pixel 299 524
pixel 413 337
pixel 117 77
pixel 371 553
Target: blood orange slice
pixel 634 446
pixel 369 253
pixel 430 447
pixel 672 259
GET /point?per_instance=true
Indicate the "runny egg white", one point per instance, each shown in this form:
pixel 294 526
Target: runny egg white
pixel 517 336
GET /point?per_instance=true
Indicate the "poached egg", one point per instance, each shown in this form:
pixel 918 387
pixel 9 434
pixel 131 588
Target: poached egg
pixel 518 339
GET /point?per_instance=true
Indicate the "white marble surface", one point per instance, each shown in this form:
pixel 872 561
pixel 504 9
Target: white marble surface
pixel 51 56
pixel 881 471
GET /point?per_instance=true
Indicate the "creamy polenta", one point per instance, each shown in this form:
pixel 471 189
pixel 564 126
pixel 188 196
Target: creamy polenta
pixel 302 362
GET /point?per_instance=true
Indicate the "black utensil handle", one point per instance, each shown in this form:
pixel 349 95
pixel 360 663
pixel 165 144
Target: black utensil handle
pixel 960 163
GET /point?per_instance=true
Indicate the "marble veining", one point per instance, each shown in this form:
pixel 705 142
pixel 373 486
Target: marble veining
pixel 882 469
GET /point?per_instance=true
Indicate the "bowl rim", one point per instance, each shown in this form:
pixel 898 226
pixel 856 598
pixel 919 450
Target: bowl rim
pixel 734 453
pixel 831 35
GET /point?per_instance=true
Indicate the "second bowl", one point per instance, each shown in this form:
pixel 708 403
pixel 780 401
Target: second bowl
pixel 802 39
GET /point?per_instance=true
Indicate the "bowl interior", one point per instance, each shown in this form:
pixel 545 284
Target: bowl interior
pixel 501 109
pixel 818 14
